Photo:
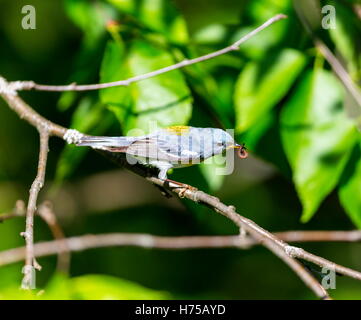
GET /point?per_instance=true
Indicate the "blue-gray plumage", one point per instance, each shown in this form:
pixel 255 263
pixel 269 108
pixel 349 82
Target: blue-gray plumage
pixel 167 148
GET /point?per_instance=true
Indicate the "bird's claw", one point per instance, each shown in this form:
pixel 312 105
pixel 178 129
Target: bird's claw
pixel 182 186
pixel 184 189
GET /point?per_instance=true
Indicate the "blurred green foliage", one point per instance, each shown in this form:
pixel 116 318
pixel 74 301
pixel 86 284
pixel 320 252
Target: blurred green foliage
pixel 277 92
pixel 90 287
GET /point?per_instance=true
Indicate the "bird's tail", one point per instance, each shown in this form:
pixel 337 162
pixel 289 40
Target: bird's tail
pixel 99 142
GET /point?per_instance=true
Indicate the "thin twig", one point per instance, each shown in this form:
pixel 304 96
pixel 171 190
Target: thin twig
pixel 46 129
pixel 91 241
pixel 339 70
pixel 8 216
pixel 86 242
pixel 335 64
pixel 267 239
pixel 19 211
pixel 46 212
pixel 320 236
pixel 30 261
pixel 307 256
pixel 28 114
pixel 30 85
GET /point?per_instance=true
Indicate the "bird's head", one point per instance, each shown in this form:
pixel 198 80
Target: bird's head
pixel 223 141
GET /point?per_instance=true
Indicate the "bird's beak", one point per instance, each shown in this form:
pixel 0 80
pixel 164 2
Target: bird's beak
pixel 234 146
pixel 241 152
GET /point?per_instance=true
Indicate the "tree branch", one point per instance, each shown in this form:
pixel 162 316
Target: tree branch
pixel 46 212
pixel 30 85
pixel 18 211
pixel 30 261
pixel 25 112
pixel 86 242
pixel 46 129
pixel 320 236
pixel 335 64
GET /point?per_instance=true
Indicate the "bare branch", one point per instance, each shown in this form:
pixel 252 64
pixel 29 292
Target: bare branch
pixel 30 261
pixel 91 241
pixel 46 129
pixel 19 211
pixel 28 114
pixel 30 85
pixel 46 212
pixel 267 239
pixel 86 242
pixel 339 70
pixel 304 255
pixel 318 236
pixel 336 65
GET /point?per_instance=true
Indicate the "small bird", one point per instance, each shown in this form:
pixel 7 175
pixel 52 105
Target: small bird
pixel 171 147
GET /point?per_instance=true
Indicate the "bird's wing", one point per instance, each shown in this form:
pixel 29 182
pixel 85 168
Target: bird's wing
pixel 161 150
pixel 152 148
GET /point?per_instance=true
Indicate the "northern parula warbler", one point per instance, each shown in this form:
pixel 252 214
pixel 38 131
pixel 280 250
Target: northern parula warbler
pixel 172 147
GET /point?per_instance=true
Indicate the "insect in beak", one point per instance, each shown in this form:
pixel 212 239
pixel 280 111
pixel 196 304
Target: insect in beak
pixel 241 152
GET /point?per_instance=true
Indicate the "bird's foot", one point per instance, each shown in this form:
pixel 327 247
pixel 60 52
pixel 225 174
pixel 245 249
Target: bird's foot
pixel 184 187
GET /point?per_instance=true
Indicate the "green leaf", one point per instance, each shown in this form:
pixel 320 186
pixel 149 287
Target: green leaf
pixel 101 287
pixel 114 68
pixel 158 15
pixel 349 192
pixel 261 85
pixel 164 100
pixel 317 137
pixel 91 17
